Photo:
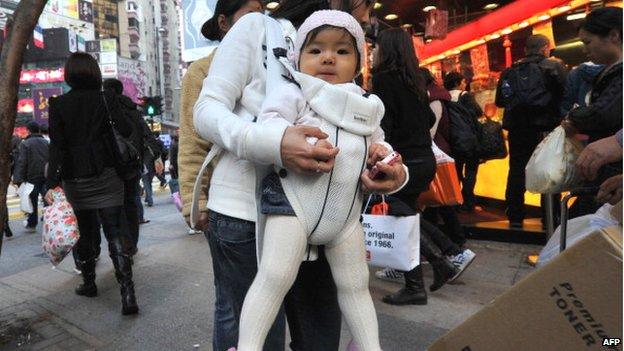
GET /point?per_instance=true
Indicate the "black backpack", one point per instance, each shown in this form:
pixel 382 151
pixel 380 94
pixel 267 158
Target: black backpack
pixel 523 87
pixel 464 130
pixel 492 141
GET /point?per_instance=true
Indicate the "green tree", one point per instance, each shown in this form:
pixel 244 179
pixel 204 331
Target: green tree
pixel 19 29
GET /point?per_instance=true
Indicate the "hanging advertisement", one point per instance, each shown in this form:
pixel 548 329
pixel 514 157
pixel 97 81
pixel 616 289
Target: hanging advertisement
pixel 85 11
pixel 34 76
pixel 67 8
pixel 195 14
pixel 40 98
pixel 82 28
pixel 132 75
pixel 480 61
pixel 108 45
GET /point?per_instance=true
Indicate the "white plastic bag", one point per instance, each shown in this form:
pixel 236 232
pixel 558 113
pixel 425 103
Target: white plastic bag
pixel 578 228
pixel 23 192
pixel 551 167
pixel 60 228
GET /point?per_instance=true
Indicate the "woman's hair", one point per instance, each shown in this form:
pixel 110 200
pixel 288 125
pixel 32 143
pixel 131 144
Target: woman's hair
pixel 601 21
pixel 452 80
pixel 296 11
pixel 396 53
pixel 427 75
pixel 82 72
pixel 227 8
pixel 316 31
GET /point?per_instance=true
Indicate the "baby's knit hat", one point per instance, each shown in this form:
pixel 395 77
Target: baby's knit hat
pixel 333 18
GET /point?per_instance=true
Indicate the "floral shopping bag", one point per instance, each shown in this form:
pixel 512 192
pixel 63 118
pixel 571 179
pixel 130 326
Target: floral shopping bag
pixel 60 228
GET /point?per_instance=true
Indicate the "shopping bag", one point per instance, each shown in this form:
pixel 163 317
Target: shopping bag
pixel 444 189
pixel 177 201
pixel 23 192
pixel 578 228
pixel 551 168
pixel 392 241
pixel 60 228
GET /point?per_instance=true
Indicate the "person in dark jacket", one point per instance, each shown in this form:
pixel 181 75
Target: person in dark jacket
pixel 154 148
pixel 31 161
pixel 84 162
pixel 406 123
pixel 577 86
pixel 601 33
pixel 467 169
pixel 132 188
pixel 13 156
pixel 528 125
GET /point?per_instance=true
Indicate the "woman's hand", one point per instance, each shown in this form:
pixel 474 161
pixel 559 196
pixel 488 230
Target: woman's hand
pixel 48 196
pixel 395 176
pixel 299 156
pixel 376 153
pixel 610 190
pixel 598 154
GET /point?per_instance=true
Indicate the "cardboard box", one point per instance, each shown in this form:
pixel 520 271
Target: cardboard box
pixel 572 303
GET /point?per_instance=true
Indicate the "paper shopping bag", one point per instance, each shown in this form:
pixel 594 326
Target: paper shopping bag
pixel 444 189
pixel 23 192
pixel 392 241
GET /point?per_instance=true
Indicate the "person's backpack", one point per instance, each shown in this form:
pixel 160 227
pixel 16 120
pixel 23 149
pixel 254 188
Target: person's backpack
pixel 464 130
pixel 492 141
pixel 523 86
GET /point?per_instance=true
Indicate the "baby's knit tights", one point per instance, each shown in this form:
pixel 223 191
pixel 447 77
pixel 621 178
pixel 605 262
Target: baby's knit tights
pixel 284 246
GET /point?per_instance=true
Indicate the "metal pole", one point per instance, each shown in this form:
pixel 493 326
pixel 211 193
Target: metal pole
pixel 550 221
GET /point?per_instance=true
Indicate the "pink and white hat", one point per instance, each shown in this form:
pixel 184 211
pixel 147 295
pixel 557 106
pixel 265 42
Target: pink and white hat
pixel 333 18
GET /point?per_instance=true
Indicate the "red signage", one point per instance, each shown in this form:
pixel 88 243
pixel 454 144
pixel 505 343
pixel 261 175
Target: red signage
pixel 42 76
pixel 25 106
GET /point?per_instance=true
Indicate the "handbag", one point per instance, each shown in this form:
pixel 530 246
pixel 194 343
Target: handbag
pixel 444 189
pixel 60 228
pixel 128 157
pixel 24 191
pixel 391 241
pixel 492 144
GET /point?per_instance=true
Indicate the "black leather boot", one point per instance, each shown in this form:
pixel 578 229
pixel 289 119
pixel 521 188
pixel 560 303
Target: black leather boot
pixel 413 293
pixel 443 268
pixel 123 272
pixel 88 287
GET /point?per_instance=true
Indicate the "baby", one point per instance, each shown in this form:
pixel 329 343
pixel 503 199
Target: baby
pixel 319 209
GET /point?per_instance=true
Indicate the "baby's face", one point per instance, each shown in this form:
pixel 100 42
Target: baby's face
pixel 330 56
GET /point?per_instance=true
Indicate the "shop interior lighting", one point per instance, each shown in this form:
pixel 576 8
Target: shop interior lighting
pixel 442 57
pixel 523 24
pixel 428 40
pixel 544 17
pixel 377 6
pixel 565 8
pixel 272 5
pixel 429 8
pixel 406 26
pixel 494 36
pixel 391 16
pixel 419 34
pixel 456 52
pixel 491 6
pixel 576 16
pixel 506 31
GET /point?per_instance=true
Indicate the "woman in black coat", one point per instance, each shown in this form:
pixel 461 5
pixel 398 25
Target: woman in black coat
pixel 601 33
pixel 84 161
pixel 406 124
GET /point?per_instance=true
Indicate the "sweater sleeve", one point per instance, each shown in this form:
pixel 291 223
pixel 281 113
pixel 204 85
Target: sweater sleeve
pixel 192 149
pixel 232 69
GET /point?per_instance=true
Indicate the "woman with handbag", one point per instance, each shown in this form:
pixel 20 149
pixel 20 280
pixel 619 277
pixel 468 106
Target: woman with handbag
pixel 87 128
pixel 406 123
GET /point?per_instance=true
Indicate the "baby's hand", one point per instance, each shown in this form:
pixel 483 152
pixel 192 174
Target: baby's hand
pixel 376 153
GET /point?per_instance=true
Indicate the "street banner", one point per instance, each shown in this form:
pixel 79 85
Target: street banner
pixel 195 14
pixel 40 98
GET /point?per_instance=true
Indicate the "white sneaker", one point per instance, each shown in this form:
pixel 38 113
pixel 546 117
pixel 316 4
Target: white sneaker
pixel 193 231
pixel 391 275
pixel 462 261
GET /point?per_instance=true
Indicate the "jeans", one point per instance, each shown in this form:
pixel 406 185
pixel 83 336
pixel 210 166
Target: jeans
pixel 311 305
pixel 39 189
pixel 467 173
pixel 233 249
pixel 147 185
pixel 132 210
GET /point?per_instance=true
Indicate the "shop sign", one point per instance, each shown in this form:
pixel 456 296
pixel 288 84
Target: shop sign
pixel 73 41
pixel 92 46
pixel 108 58
pixel 109 70
pixel 108 45
pixel 85 11
pixel 42 76
pixel 25 106
pixel 41 107
pixel 67 8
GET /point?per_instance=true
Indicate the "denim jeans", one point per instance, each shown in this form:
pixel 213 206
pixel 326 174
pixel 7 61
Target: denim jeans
pixel 147 185
pixel 39 189
pixel 233 248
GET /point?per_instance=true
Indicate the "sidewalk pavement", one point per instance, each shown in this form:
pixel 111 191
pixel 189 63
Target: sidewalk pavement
pixel 174 282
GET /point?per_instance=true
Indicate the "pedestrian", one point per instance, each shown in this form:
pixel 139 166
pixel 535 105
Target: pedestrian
pixel 152 156
pixel 13 156
pixel 528 117
pixel 163 159
pixel 237 82
pixel 30 167
pixel 467 168
pixel 330 47
pixel 133 210
pixel 601 34
pixel 85 163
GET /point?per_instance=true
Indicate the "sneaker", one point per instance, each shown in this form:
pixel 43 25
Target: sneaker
pixel 193 231
pixel 461 262
pixel 77 271
pixel 391 275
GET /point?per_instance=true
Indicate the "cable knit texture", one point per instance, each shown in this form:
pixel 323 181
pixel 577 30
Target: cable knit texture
pixel 192 148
